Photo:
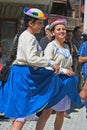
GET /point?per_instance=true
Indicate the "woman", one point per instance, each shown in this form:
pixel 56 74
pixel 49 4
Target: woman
pixel 26 86
pixel 47 38
pixel 59 52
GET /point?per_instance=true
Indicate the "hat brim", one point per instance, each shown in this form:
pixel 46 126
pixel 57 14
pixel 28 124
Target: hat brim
pixel 56 23
pixel 34 16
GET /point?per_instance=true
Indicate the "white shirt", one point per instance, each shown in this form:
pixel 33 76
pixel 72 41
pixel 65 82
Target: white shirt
pixel 61 56
pixel 30 53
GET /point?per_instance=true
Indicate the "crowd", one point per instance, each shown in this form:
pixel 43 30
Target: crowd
pixel 45 75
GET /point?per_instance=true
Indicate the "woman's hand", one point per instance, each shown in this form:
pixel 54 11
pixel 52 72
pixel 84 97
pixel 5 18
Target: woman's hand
pixel 56 69
pixel 69 72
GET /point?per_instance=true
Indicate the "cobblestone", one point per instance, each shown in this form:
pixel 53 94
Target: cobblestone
pixel 78 121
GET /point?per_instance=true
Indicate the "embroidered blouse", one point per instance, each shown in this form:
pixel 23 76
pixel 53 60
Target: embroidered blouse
pixel 61 56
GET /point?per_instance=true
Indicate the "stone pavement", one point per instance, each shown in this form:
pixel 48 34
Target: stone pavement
pixel 78 121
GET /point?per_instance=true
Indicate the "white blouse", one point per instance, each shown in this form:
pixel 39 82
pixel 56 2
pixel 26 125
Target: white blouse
pixel 29 52
pixel 61 56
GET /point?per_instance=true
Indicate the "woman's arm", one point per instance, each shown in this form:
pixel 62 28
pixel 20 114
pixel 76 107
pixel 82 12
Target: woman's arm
pixel 82 59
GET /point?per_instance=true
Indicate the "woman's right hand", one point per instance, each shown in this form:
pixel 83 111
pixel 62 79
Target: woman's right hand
pixel 56 69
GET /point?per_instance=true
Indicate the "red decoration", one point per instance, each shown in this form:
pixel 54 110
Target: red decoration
pixel 30 7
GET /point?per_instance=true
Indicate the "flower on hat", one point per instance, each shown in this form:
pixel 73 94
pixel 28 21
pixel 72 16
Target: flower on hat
pixel 52 21
pixel 25 9
pixel 46 15
pixel 41 15
pixel 34 13
pixel 30 7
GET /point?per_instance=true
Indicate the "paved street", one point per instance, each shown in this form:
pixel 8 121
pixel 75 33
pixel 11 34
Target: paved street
pixel 78 121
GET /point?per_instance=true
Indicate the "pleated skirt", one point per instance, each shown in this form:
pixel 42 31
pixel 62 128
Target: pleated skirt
pixel 30 90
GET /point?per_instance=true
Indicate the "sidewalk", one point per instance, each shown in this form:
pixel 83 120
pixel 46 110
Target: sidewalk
pixel 78 121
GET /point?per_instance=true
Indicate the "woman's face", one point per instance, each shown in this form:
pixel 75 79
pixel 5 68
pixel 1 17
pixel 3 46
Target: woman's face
pixel 36 26
pixel 59 32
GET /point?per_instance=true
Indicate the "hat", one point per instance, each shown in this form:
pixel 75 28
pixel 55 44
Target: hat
pixel 85 32
pixel 58 21
pixel 35 13
pixel 47 27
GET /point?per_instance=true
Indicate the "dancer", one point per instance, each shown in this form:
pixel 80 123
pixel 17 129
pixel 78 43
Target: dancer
pixel 58 51
pixel 27 86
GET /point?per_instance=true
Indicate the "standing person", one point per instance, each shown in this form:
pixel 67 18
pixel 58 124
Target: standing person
pixel 72 47
pixel 28 87
pixel 82 58
pixel 47 38
pixel 58 51
pixel 76 38
pixel 77 41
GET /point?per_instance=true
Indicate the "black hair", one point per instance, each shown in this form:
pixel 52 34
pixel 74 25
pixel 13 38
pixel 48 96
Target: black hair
pixel 12 56
pixel 76 29
pixel 53 28
pixel 84 37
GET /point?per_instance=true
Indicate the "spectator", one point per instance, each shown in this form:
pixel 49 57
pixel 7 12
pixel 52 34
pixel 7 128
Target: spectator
pixel 47 38
pixel 77 40
pixel 82 58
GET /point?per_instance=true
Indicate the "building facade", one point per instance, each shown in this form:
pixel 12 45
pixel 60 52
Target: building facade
pixel 69 9
pixel 11 11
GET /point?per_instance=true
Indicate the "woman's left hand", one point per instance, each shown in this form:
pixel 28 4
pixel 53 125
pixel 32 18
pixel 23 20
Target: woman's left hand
pixel 69 72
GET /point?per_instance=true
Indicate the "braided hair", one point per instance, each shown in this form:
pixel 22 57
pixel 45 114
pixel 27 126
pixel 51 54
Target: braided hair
pixel 12 56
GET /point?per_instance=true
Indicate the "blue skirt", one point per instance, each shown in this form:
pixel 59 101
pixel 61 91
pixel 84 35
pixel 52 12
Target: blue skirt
pixel 29 90
pixel 69 86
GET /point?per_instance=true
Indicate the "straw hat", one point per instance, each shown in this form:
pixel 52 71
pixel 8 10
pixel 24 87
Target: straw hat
pixel 58 21
pixel 35 13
